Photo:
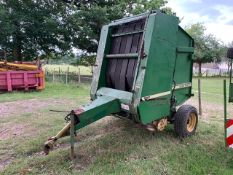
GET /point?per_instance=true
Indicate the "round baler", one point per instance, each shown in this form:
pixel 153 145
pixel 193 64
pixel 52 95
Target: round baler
pixel 143 72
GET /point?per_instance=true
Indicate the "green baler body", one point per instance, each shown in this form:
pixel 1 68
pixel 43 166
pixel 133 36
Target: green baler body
pixel 146 78
pixel 143 71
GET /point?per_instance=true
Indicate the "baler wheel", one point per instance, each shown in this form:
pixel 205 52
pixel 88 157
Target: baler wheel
pixel 186 119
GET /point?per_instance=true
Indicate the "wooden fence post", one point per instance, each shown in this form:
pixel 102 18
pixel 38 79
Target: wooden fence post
pixel 53 75
pixel 225 108
pixel 199 96
pixel 79 76
pixel 67 73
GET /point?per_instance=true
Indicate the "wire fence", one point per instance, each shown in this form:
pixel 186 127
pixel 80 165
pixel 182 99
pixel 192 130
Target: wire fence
pixel 67 77
pixel 211 72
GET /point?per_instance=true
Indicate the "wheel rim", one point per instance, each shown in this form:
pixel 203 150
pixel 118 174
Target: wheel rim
pixel 192 121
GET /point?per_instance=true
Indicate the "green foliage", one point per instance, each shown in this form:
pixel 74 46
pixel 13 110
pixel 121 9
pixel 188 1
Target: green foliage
pixel 31 28
pixel 86 60
pixel 207 47
pixel 90 16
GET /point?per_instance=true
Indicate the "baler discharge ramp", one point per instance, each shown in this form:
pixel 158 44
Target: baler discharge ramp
pixel 84 116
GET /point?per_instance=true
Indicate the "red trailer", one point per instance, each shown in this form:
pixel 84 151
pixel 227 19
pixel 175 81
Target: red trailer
pixel 22 80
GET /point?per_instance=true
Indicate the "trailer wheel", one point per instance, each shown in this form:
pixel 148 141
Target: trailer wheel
pixel 186 119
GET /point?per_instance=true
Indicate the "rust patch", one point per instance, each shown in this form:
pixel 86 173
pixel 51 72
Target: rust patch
pixel 79 111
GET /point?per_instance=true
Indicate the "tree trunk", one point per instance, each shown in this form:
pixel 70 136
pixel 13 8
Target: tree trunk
pixel 48 56
pixel 17 53
pixel 199 69
pixel 228 67
pixel 17 50
pixel 47 60
pixel 92 69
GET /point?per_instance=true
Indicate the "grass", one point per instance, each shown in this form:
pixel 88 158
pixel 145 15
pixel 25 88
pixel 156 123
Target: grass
pixel 111 145
pixel 84 70
pixel 52 90
pixel 211 88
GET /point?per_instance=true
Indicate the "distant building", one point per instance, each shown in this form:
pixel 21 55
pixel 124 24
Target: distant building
pixel 211 69
pixel 205 66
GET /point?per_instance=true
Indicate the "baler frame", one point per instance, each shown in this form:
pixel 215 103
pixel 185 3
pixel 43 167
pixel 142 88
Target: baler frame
pixel 143 98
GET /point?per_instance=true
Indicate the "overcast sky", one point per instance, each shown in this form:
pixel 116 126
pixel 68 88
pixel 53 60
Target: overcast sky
pixel 217 15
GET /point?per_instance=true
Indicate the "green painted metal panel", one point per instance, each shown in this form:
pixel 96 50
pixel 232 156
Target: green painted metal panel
pixel 99 79
pixel 123 96
pixel 98 109
pixel 161 53
pixel 231 92
pixel 183 69
pixel 185 49
pixel 140 72
pixel 130 55
pixel 154 109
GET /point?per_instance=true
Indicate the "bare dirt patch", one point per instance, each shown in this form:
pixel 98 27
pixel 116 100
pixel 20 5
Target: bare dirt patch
pixel 12 128
pixel 4 161
pixel 11 131
pixel 30 106
pixel 209 109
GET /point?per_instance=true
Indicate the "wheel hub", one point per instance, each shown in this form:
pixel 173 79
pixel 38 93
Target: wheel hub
pixel 191 123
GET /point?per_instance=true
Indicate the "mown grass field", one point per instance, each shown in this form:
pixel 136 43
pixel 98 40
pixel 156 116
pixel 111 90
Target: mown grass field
pixel 111 145
pixel 84 70
pixel 212 89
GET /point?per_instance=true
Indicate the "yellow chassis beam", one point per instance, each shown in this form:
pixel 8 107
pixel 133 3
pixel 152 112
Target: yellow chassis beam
pixel 15 66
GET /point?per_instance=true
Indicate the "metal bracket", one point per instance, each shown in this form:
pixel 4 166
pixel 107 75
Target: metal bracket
pixel 72 136
pixel 68 117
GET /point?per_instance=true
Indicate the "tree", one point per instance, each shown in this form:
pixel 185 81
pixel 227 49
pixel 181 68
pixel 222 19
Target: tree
pixel 227 60
pixel 34 27
pixel 90 15
pixel 47 27
pixel 207 47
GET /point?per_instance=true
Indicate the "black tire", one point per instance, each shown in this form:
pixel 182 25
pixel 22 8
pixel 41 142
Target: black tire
pixel 186 120
pixel 230 53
